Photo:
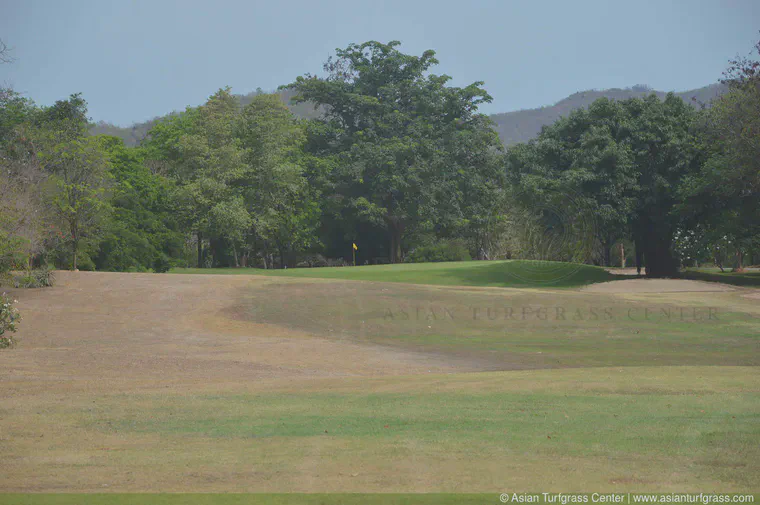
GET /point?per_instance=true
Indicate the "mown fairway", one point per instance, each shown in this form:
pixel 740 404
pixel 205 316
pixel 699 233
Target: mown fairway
pixel 515 274
pixel 199 383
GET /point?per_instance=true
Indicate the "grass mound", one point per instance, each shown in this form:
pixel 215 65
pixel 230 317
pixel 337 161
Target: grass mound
pixel 510 274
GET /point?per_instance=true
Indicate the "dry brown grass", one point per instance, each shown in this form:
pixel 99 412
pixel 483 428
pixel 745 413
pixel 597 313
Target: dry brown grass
pixel 100 349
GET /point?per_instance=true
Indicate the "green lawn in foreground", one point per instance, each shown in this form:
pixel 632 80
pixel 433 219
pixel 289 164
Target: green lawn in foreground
pixel 610 429
pixel 750 278
pixel 248 499
pixel 514 273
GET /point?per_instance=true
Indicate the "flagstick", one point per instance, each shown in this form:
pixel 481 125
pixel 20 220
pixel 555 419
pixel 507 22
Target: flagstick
pixel 353 252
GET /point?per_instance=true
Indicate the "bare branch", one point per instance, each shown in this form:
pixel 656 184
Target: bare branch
pixel 5 53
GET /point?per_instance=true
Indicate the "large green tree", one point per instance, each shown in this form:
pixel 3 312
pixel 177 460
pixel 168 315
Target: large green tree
pixel 200 151
pixel 581 167
pixel 723 199
pixel 142 232
pixel 392 128
pixel 282 204
pixel 622 163
pixel 78 183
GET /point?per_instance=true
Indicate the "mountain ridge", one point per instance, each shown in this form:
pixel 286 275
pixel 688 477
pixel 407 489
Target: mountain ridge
pixel 513 127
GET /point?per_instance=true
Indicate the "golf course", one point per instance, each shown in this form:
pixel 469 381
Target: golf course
pixel 469 377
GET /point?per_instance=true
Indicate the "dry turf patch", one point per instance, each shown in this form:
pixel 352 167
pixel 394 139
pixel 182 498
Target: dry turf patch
pixel 130 382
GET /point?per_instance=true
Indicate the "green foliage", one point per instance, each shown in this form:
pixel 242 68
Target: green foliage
pixel 388 155
pixel 621 164
pixel 283 206
pixel 404 143
pixel 77 188
pixel 142 232
pixel 722 198
pixel 36 278
pixel 444 250
pixel 11 252
pixel 9 319
pixel 15 109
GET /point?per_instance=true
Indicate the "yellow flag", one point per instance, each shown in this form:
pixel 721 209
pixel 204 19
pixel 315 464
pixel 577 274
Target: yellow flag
pixel 355 248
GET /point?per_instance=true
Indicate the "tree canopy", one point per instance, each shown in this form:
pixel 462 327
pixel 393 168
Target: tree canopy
pixel 393 158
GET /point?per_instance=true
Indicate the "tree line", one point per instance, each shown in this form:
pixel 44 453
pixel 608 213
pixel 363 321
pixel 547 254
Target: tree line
pixel 397 161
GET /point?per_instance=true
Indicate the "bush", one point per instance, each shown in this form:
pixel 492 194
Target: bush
pixel 313 260
pixel 444 250
pixel 337 262
pixel 162 264
pixel 39 278
pixel 9 318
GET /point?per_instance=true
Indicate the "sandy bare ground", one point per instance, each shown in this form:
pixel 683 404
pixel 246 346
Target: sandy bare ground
pixel 114 331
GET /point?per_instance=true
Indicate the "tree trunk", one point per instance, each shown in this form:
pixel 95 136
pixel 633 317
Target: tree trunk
pixel 74 247
pixel 235 254
pixel 200 250
pixel 659 258
pixel 718 260
pixel 739 262
pixel 396 230
pixel 653 241
pixel 622 255
pixel 607 258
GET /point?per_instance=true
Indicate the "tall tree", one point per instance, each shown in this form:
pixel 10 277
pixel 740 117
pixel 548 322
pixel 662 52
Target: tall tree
pixel 77 185
pixel 582 165
pixel 724 197
pixel 143 232
pixel 199 150
pixel 283 206
pixel 625 161
pixel 391 126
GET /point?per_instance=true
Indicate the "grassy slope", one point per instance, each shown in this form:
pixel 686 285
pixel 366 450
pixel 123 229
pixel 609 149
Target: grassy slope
pixel 516 273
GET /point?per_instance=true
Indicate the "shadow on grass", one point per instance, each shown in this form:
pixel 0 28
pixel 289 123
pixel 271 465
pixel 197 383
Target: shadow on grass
pixel 530 274
pixel 737 279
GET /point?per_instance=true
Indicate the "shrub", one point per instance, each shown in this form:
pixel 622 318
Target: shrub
pixel 39 278
pixel 162 264
pixel 9 318
pixel 337 262
pixel 444 250
pixel 313 260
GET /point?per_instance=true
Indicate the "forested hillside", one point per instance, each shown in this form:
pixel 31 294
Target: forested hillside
pixel 524 125
pixel 513 127
pixel 133 135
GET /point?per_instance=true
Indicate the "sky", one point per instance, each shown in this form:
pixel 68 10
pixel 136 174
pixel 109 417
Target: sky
pixel 134 60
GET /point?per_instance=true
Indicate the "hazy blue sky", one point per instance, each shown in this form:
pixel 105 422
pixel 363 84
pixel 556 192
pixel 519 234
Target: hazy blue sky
pixel 133 60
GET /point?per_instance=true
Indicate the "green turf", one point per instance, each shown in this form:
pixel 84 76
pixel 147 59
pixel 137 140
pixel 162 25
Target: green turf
pixel 586 424
pixel 518 328
pixel 516 273
pixel 308 499
pixel 751 278
pixel 248 499
pixel 701 419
